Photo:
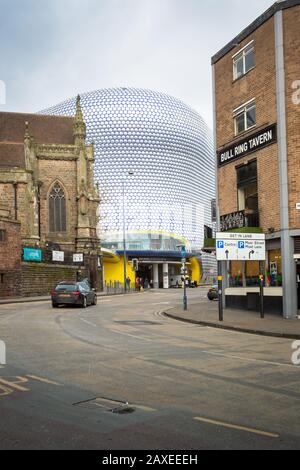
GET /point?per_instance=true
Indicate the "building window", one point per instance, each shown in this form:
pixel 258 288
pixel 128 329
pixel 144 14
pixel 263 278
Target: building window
pixel 2 235
pixel 57 210
pixel 244 117
pixel 1 278
pixel 243 61
pixel 248 192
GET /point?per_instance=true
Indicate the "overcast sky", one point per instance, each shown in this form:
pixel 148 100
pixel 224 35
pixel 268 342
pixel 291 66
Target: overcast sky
pixel 51 50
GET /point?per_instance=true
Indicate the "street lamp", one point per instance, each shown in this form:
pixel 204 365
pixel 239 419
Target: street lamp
pixel 130 173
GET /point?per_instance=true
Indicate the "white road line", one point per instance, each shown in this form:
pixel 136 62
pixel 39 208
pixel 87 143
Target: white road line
pixel 161 303
pixel 144 408
pixel 41 379
pixel 248 359
pixel 238 428
pixel 88 322
pixel 132 336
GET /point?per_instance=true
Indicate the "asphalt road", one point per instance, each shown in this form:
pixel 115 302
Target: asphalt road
pixel 71 372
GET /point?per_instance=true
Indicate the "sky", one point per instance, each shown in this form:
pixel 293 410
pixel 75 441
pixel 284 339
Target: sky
pixel 51 50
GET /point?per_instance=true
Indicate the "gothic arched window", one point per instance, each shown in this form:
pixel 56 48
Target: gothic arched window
pixel 57 210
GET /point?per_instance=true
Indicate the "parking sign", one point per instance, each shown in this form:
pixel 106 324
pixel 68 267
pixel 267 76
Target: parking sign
pixel 240 246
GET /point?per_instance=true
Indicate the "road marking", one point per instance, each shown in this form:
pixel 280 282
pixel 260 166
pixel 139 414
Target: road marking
pixel 238 428
pixel 15 384
pixel 88 322
pixel 4 391
pixel 162 303
pixel 132 336
pixel 41 379
pixel 145 408
pixel 248 359
pixel 10 385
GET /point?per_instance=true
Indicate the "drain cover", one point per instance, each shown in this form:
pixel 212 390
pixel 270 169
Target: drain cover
pixel 107 404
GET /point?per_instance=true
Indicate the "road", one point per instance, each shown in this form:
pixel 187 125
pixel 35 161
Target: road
pixel 187 387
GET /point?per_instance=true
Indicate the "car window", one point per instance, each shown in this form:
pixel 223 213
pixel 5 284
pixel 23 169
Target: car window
pixel 85 286
pixel 66 288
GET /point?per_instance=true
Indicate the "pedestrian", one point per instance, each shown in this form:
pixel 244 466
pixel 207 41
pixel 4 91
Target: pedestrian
pixel 137 284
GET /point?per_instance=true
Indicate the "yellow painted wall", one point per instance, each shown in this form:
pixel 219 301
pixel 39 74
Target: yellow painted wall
pixel 196 270
pixel 115 271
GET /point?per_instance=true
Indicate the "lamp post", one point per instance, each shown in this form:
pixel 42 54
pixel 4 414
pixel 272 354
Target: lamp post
pixel 184 274
pixel 130 173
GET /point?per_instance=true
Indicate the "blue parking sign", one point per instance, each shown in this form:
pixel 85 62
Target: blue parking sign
pixel 241 245
pixel 221 245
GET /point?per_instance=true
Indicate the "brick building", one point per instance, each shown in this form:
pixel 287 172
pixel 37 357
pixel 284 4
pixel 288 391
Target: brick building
pixel 257 136
pixel 48 203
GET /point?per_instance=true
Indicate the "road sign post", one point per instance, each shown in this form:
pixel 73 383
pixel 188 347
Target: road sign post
pixel 220 292
pixel 261 288
pixel 244 247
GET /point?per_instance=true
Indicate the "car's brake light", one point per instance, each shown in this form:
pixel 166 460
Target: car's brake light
pixel 76 293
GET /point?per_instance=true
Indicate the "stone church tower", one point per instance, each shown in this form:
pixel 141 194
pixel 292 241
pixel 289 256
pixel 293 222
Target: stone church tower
pixel 47 185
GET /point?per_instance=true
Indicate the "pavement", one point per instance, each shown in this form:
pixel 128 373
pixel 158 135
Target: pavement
pixel 236 320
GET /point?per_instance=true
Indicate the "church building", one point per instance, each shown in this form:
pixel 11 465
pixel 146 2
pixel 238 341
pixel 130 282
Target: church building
pixel 48 204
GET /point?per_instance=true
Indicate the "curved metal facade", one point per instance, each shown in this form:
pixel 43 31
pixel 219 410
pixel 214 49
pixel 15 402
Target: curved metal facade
pixel 168 147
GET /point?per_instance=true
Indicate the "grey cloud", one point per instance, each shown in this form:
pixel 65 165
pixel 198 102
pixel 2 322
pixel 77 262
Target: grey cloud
pixel 51 50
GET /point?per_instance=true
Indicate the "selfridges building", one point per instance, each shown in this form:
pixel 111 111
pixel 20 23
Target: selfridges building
pixel 154 162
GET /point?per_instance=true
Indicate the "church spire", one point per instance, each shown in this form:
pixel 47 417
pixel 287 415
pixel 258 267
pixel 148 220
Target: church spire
pixel 79 124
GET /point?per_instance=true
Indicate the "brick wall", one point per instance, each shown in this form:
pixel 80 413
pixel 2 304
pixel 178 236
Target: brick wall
pixel 10 259
pixel 291 20
pixel 40 279
pixel 259 83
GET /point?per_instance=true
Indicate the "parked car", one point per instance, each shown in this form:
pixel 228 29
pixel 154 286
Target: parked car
pixel 213 293
pixel 73 293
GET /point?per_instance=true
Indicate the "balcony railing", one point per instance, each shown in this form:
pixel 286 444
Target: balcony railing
pixel 240 219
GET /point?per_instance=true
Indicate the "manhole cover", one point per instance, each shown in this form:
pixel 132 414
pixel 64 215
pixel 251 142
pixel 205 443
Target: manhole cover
pixel 107 404
pixel 137 322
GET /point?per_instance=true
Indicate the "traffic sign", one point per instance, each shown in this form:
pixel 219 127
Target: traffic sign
pixel 240 246
pixel 183 252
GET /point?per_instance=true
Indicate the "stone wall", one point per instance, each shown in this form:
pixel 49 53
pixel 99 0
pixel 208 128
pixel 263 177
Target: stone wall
pixel 40 279
pixel 10 259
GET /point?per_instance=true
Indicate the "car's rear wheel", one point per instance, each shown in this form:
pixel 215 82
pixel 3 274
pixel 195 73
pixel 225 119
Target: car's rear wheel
pixel 84 302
